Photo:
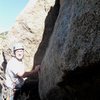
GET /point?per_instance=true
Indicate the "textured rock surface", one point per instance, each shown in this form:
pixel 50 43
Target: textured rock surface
pixel 70 68
pixel 37 18
pixel 71 45
pixel 48 29
pixel 29 28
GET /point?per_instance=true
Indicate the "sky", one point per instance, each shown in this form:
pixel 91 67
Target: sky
pixel 9 10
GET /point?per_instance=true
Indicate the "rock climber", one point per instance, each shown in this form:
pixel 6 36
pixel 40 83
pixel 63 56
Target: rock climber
pixel 15 71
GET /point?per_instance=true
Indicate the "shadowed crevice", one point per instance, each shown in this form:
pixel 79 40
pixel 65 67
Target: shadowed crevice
pixel 48 30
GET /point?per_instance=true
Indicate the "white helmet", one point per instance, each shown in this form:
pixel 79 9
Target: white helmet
pixel 18 46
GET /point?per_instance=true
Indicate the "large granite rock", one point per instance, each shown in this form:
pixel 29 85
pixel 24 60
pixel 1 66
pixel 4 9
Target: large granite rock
pixel 70 69
pixel 29 28
pixel 66 42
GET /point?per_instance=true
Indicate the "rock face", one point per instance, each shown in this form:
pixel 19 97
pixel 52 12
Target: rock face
pixel 29 28
pixel 70 68
pixel 36 19
pixel 64 37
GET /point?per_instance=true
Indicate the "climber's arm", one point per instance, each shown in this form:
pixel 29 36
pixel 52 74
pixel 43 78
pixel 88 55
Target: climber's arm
pixel 27 74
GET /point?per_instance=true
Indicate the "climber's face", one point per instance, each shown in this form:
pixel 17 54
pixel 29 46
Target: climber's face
pixel 19 54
